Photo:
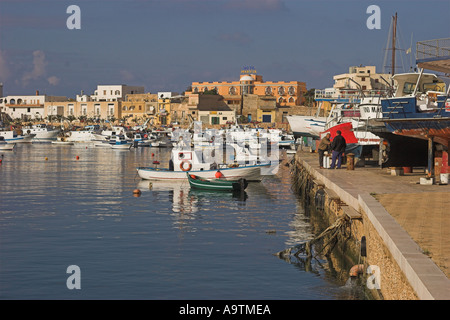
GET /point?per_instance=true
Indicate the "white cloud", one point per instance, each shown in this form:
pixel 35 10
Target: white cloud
pixel 39 65
pixel 53 80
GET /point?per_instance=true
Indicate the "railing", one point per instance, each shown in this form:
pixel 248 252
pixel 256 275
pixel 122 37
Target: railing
pixel 436 48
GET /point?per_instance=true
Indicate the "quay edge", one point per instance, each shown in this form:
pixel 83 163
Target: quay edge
pixel 406 273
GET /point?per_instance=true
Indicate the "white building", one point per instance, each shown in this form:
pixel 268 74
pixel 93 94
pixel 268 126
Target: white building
pixel 167 95
pixel 27 107
pixel 114 92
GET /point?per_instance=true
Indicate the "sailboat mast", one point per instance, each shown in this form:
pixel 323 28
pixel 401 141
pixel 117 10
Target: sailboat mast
pixel 394 32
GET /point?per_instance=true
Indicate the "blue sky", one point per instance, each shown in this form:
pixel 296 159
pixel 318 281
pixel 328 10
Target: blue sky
pixel 164 45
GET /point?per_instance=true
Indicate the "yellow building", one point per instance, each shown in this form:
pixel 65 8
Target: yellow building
pixel 140 106
pixel 286 93
pixel 94 110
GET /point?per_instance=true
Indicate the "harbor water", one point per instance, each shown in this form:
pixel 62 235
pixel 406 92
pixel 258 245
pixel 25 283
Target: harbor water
pixel 64 206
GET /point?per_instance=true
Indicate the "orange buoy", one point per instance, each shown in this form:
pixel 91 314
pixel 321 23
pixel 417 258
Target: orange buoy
pixel 77 157
pixel 136 192
pixel 219 174
pixel 46 158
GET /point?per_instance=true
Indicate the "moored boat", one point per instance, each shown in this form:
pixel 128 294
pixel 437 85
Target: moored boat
pixel 216 184
pixel 42 132
pixel 120 142
pixel 193 161
pixel 11 136
pixel 6 146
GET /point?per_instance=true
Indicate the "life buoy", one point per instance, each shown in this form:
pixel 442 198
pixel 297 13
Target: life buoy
pixel 183 167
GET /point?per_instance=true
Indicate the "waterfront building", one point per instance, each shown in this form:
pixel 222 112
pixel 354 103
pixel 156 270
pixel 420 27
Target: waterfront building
pixel 115 92
pixel 94 110
pixel 140 106
pixel 286 93
pixel 28 107
pixel 349 87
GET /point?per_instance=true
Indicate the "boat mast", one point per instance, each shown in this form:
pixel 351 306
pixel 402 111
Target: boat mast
pixel 394 31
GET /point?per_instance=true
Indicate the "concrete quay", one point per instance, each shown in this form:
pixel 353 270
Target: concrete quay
pixel 412 220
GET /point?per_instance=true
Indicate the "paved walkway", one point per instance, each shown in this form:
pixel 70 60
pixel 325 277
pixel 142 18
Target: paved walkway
pixel 421 210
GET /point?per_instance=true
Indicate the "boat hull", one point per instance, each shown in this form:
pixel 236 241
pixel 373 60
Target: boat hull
pixel 7 146
pixel 217 184
pixel 306 126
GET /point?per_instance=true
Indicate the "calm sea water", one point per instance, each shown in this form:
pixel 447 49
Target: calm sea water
pixel 169 243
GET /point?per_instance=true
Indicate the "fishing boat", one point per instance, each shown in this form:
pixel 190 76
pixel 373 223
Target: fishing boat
pixel 87 134
pixel 141 140
pixel 216 184
pixel 43 132
pixel 6 146
pixel 195 162
pixel 120 142
pixel 12 136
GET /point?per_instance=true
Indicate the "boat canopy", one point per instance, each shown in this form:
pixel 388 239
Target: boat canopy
pixel 405 83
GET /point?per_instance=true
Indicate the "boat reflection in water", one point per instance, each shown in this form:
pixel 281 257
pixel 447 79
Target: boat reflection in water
pixel 186 200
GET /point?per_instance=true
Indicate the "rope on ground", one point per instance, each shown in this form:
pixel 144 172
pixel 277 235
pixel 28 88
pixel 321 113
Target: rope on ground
pixel 334 231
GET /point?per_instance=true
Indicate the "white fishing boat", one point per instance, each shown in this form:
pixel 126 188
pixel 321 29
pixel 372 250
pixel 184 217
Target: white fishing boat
pixel 306 126
pixel 6 146
pixel 120 142
pixel 11 136
pixel 141 140
pixel 193 161
pixel 43 133
pixel 62 142
pixel 108 133
pixel 87 134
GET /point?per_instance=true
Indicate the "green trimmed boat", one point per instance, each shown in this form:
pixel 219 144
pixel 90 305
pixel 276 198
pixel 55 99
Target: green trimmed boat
pixel 216 184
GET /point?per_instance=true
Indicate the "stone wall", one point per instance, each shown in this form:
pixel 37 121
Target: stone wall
pixel 392 284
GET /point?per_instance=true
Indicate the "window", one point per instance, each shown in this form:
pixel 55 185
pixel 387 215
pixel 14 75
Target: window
pixel 409 87
pixel 363 78
pixel 291 90
pixel 224 118
pixel 28 109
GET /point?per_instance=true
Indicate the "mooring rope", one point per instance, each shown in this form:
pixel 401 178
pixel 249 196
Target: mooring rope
pixel 335 230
